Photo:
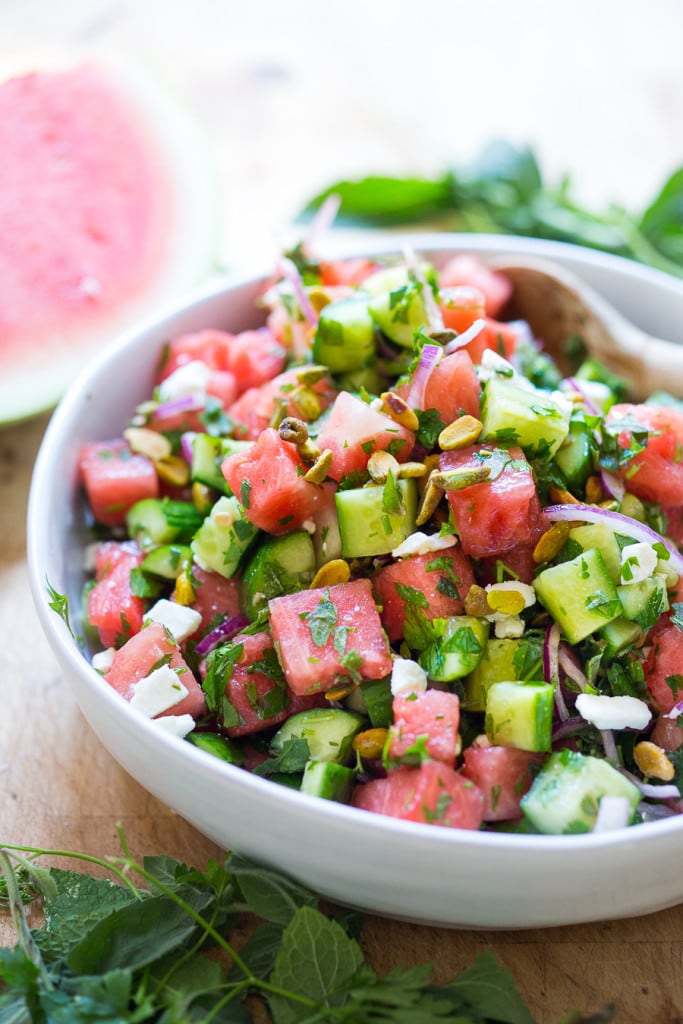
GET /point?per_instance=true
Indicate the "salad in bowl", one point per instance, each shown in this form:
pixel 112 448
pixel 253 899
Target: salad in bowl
pixel 364 576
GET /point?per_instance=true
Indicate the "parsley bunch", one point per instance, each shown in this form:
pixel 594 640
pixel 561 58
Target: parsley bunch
pixel 116 952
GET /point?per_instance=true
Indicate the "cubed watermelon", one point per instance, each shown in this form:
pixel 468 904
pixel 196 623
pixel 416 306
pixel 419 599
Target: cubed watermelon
pixel 504 775
pixel 115 478
pixel 467 269
pixel 254 409
pixel 434 794
pixel 151 647
pixel 329 633
pixel 353 430
pixel 443 577
pixel 216 598
pixel 425 724
pixel 113 609
pixel 453 387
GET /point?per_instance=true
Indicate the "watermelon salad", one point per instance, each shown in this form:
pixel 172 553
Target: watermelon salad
pixel 381 549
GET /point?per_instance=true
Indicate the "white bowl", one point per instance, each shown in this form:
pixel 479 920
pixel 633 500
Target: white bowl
pixel 396 868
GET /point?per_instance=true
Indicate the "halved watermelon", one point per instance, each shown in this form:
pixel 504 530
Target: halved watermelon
pixel 107 209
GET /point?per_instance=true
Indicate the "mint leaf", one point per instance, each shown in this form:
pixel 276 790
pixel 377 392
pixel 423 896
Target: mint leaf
pixel 488 988
pixel 290 760
pixel 316 960
pixel 322 620
pixel 271 895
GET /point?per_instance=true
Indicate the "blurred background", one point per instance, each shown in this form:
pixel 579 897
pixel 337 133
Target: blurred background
pixel 292 96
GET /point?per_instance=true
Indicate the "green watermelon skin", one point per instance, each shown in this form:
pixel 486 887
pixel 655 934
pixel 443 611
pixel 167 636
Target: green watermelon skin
pixel 104 202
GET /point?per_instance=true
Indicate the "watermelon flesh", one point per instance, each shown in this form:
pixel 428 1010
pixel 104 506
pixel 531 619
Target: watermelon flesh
pixel 91 213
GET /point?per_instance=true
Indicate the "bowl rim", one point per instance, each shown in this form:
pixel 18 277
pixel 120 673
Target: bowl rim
pixel 72 658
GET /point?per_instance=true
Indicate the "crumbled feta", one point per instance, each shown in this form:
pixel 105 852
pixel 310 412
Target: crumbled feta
pixel 613 812
pixel 407 677
pixel 506 626
pixel 176 725
pixel 638 562
pixel 613 712
pixel 189 379
pixel 422 544
pixel 102 661
pixel 180 621
pixel 157 692
pixel 309 526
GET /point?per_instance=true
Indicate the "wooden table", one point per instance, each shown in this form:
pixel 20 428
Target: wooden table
pixel 286 115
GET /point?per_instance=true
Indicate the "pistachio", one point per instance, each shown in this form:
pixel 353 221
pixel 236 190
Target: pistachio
pixel 148 442
pixel 399 411
pixel 202 497
pixel 460 477
pixel 380 464
pixel 320 468
pixel 370 743
pixel 461 432
pixel 173 470
pixel 509 602
pixel 414 470
pixel 310 375
pixel 560 496
pixel 551 542
pixel 306 402
pixel 184 592
pixel 340 691
pixel 594 491
pixel 429 501
pixel 653 761
pixel 293 430
pixel 332 573
pixel 476 602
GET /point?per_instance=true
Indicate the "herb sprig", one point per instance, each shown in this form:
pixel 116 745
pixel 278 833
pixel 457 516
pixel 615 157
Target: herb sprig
pixel 123 952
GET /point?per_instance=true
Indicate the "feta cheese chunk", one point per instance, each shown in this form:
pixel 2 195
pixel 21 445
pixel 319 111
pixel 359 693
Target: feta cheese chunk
pixel 613 712
pixel 102 661
pixel 157 692
pixel 421 544
pixel 190 379
pixel 638 562
pixel 407 677
pixel 180 621
pixel 507 627
pixel 176 725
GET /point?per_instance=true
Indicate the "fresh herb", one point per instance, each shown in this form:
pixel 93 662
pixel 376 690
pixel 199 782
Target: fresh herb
pixel 504 191
pixel 430 426
pixel 59 603
pixel 290 760
pixel 220 665
pixel 677 614
pixel 322 620
pixel 392 502
pixel 245 493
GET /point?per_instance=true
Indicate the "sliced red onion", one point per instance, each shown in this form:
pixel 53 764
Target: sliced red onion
pixel 612 485
pixel 609 745
pixel 618 522
pixel 654 812
pixel 432 308
pixel 570 667
pixel 290 272
pixel 225 631
pixel 186 442
pixel 551 668
pixel 669 792
pixel 676 710
pixel 466 337
pixel 184 403
pixel 429 359
pixel 589 405
pixel 323 220
pixel 568 728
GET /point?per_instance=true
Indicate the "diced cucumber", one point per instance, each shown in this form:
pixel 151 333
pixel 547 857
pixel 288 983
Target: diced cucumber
pixel 376 694
pixel 390 279
pixel 579 594
pixel 329 733
pixel 345 337
pixel 208 453
pixel 457 650
pixel 369 378
pixel 619 635
pixel 218 746
pixel 501 662
pixel 326 539
pixel 520 715
pixel 280 565
pixel 574 457
pixel 565 796
pixel 397 305
pixel 154 521
pixel 643 602
pixel 368 524
pixel 224 537
pixel 168 561
pixel 328 780
pixel 600 536
pixel 531 419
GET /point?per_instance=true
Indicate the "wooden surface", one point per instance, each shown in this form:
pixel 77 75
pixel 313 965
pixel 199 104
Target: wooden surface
pixel 291 100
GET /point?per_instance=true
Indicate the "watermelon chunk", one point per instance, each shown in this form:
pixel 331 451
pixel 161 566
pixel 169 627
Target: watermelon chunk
pixel 425 723
pixel 113 609
pixel 216 598
pixel 252 357
pixel 353 430
pixel 329 633
pixel 503 774
pixel 453 387
pixel 254 409
pixel 114 217
pixel 433 794
pixel 145 651
pixel 114 479
pixel 439 576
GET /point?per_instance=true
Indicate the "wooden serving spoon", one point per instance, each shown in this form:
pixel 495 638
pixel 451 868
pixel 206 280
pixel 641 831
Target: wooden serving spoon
pixel 558 305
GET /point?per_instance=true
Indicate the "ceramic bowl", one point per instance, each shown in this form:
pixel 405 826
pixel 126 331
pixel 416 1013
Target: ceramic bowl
pixel 410 871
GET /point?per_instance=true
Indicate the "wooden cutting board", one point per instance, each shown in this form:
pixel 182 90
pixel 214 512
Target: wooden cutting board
pixel 60 789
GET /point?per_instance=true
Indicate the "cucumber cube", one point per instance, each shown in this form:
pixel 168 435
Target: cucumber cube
pixel 619 635
pixel 460 644
pixel 397 305
pixel 345 336
pixel 565 796
pixel 598 535
pixel 328 780
pixel 224 537
pixel 520 715
pixel 643 602
pixel 329 733
pixel 208 453
pixel 502 661
pixel 368 524
pixel 280 565
pixel 532 419
pixel 579 594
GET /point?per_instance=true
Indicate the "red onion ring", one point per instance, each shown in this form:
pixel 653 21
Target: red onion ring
pixel 429 359
pixel 184 403
pixel 225 631
pixel 290 272
pixel 466 337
